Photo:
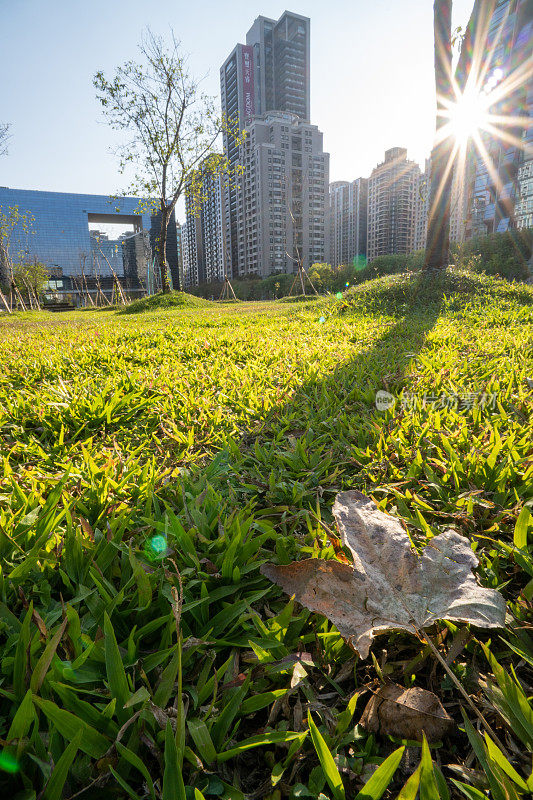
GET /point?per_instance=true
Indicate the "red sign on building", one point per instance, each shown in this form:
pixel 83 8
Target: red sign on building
pixel 248 82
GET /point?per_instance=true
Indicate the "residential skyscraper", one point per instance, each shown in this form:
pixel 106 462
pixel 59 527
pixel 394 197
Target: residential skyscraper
pixel 282 196
pixel 348 220
pixel 269 73
pixel 190 270
pixel 392 200
pixel 461 197
pixel 204 233
pixel 422 208
pixel 524 206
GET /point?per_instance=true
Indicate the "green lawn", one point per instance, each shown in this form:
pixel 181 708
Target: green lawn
pixel 151 462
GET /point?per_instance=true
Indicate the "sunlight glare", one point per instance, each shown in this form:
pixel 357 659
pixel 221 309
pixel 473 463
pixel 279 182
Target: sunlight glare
pixel 469 115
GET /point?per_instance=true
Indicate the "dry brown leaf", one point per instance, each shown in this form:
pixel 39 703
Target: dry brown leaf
pixel 406 713
pixel 389 587
pixel 87 528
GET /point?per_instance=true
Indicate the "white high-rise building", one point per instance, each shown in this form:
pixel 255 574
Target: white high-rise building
pixel 188 249
pixel 205 232
pixel 524 206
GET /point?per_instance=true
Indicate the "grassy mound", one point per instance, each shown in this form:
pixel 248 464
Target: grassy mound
pixel 299 298
pixel 162 302
pixel 396 291
pixel 149 470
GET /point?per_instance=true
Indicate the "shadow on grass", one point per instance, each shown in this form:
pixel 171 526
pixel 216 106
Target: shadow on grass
pixel 301 447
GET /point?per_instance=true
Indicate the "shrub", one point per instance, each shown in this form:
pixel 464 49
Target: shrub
pixel 504 254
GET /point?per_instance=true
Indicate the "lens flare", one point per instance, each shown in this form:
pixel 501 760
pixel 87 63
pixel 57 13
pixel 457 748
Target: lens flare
pixel 339 295
pixel 8 763
pixel 158 544
pixel 156 548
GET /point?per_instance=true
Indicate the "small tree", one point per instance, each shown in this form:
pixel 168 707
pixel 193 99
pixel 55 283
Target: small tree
pixel 32 275
pixel 438 235
pixel 4 138
pixel 173 128
pixel 11 218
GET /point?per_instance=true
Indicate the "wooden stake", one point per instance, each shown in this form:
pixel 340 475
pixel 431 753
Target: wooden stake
pixel 4 301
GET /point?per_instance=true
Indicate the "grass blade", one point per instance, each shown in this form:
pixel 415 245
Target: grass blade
pixel 23 718
pixel 136 762
pixel 54 787
pixel 68 725
pixel 375 786
pixel 326 760
pixel 116 675
pixel 274 737
pixel 202 739
pixel 523 524
pixel 410 788
pixel 42 666
pixel 428 784
pixel 173 788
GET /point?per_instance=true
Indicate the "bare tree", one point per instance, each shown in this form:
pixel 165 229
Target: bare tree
pixel 172 128
pixel 438 236
pixel 4 138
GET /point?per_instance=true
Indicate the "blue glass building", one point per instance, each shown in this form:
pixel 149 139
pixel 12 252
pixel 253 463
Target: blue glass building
pixel 59 235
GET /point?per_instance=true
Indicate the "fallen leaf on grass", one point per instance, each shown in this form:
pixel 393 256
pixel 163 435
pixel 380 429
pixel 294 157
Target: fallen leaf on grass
pixel 389 587
pixel 406 714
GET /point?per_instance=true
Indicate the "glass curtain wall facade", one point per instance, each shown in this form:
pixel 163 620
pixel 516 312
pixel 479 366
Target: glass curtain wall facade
pixel 59 235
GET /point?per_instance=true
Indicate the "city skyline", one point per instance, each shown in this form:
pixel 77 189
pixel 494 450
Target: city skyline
pixel 354 132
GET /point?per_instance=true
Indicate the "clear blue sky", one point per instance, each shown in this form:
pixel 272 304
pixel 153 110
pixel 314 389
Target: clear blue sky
pixel 371 77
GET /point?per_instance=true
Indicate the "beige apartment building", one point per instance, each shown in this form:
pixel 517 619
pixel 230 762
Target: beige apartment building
pixel 281 206
pixel 393 189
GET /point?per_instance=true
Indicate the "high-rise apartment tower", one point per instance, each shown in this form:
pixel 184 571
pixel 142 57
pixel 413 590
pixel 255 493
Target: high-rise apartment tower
pixel 283 195
pixel 204 233
pixel 348 220
pixel 392 202
pixel 268 73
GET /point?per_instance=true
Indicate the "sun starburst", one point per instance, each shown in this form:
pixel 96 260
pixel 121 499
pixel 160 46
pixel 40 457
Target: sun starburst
pixel 487 113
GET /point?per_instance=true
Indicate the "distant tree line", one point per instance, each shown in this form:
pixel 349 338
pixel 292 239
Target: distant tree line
pixel 504 254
